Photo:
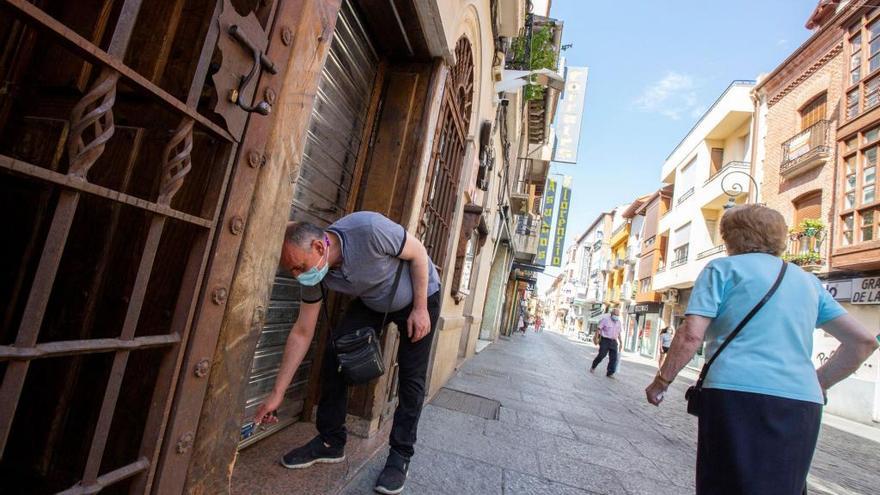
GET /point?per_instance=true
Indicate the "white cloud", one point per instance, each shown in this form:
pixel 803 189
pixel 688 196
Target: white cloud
pixel 782 42
pixel 674 95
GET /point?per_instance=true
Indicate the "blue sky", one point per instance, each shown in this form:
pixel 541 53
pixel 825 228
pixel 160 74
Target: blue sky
pixel 655 66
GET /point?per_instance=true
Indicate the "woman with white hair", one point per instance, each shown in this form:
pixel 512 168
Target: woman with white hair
pixel 759 398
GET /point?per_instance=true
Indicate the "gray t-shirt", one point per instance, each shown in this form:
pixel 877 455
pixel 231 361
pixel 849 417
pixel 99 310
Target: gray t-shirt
pixel 371 244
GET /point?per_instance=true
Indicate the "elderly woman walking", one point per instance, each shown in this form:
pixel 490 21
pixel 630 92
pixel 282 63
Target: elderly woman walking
pixel 759 398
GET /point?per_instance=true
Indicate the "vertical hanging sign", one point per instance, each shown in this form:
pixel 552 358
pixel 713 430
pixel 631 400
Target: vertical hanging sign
pixel 546 222
pixel 570 115
pixel 561 221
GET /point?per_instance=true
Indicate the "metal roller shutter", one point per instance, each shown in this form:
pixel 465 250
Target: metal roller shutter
pixel 320 195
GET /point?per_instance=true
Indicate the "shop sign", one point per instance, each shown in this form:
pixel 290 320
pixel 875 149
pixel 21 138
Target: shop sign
pixel 561 221
pixel 570 114
pixel 865 290
pixel 840 290
pixel 546 222
pixel 646 308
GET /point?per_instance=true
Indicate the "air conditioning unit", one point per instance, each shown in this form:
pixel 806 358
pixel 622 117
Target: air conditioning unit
pixel 670 296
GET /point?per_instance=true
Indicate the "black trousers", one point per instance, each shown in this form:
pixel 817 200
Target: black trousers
pixel 412 360
pixel 607 346
pixel 755 444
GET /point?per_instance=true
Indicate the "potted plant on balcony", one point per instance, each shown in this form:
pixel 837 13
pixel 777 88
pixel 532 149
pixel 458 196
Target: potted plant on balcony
pixel 805 244
pixel 535 52
pixel 812 227
pixel 807 261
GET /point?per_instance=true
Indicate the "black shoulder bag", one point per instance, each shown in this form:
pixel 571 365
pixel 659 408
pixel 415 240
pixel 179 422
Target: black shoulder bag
pixel 694 393
pixel 358 353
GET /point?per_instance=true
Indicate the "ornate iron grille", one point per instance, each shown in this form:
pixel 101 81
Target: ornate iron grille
pixel 448 154
pixel 117 146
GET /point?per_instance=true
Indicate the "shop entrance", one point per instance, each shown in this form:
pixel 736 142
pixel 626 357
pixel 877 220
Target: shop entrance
pixel 324 192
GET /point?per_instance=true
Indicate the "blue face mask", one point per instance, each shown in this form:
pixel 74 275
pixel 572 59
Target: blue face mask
pixel 314 275
pixel 613 317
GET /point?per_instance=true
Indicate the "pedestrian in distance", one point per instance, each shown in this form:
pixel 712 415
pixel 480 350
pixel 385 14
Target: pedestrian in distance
pixel 759 398
pixel 609 342
pixel 393 279
pixel 521 323
pixel 665 342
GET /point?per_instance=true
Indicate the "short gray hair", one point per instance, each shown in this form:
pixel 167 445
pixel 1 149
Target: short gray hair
pixel 301 234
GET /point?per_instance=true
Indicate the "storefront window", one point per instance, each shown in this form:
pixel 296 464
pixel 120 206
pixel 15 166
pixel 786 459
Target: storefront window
pixel 648 346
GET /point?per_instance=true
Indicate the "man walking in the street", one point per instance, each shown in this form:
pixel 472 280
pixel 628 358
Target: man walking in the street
pixel 360 255
pixel 609 332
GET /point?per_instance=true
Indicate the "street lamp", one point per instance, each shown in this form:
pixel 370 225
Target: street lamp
pixel 736 189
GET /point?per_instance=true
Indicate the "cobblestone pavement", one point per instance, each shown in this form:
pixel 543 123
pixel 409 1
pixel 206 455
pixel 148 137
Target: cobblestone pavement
pixel 564 431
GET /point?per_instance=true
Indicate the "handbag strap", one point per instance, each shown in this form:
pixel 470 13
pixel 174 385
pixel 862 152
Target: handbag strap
pixel 387 308
pixel 742 324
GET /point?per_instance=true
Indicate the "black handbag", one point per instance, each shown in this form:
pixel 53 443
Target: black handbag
pixel 694 393
pixel 358 353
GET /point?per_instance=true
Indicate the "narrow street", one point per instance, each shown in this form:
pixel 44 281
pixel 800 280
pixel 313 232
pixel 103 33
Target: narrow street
pixel 562 430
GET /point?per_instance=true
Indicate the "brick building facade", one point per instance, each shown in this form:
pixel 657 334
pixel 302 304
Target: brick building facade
pixel 819 117
pixel 799 103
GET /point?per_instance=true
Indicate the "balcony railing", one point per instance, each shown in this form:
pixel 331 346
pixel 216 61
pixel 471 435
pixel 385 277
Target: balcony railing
pixel 678 262
pixel 685 196
pixel 527 224
pixel 805 149
pixel 805 251
pixel 519 56
pixel 681 256
pixel 727 168
pixel 709 252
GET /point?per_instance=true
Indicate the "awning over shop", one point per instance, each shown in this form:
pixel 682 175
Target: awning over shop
pixel 528 267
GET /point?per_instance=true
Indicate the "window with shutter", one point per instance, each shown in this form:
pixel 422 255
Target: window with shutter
pixel 814 111
pixel 808 207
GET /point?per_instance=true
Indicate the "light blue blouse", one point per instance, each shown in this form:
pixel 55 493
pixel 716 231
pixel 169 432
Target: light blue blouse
pixel 771 355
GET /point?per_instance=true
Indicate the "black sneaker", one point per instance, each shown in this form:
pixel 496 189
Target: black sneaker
pixel 316 451
pixel 393 477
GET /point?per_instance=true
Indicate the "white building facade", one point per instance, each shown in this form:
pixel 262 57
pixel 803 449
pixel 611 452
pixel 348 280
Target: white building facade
pixel 706 169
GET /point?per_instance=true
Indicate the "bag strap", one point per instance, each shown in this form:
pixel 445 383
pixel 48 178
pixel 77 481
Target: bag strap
pixel 387 309
pixel 393 295
pixel 742 324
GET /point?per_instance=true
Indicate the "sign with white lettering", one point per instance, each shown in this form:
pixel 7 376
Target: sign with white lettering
pixel 865 290
pixel 569 115
pixel 840 290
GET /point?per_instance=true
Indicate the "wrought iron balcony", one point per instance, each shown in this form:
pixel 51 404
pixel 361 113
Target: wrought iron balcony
pixel 678 262
pixel 681 256
pixel 685 196
pixel 709 252
pixel 807 149
pixel 728 167
pixel 806 250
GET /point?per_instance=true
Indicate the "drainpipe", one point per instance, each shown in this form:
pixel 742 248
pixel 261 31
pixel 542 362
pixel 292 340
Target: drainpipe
pixel 756 116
